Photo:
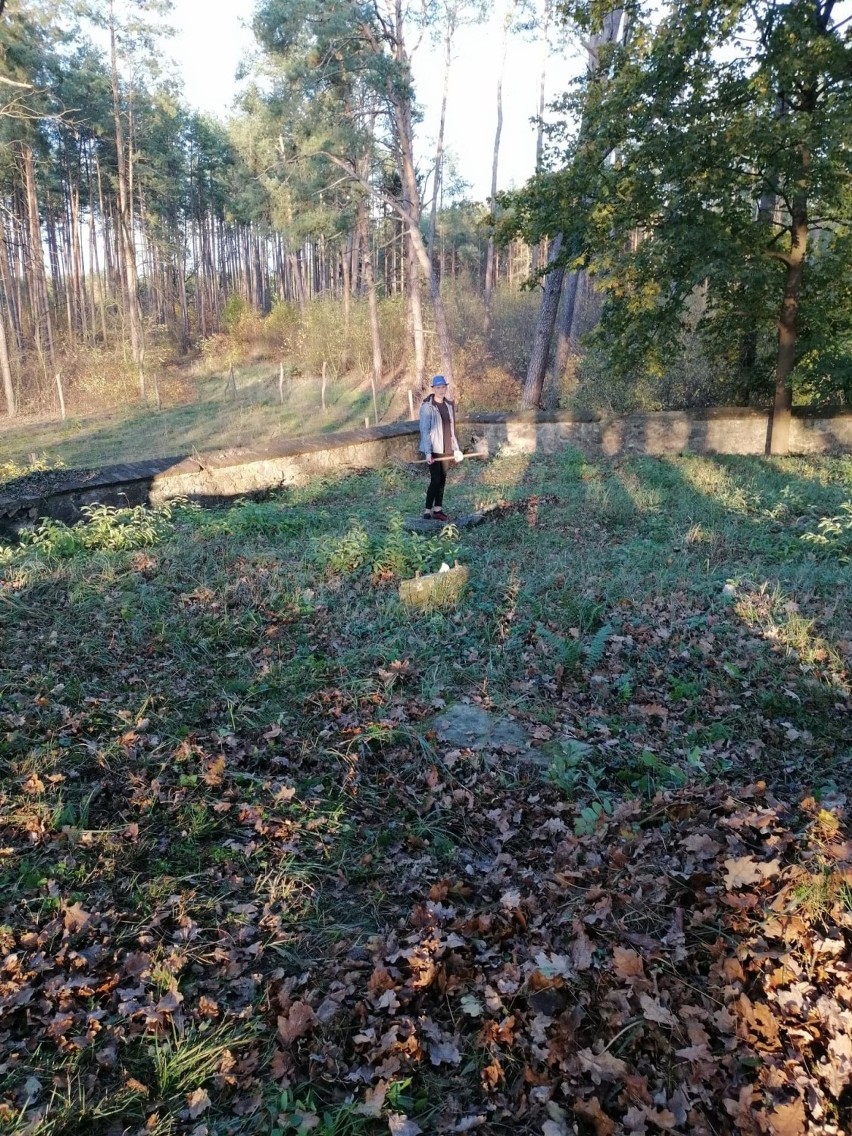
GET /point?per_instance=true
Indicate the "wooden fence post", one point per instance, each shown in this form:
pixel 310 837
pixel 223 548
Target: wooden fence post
pixel 61 394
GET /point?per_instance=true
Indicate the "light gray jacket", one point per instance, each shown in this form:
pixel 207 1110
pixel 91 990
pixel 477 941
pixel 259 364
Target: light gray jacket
pixel 432 429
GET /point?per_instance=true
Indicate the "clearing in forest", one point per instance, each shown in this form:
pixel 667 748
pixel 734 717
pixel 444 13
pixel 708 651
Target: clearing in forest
pixel 248 885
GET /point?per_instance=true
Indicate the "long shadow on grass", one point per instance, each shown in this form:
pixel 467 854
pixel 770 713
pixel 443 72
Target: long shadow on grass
pixel 773 638
pixel 169 863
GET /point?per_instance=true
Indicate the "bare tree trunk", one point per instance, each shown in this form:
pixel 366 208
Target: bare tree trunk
pixel 452 17
pixel 779 437
pixel 410 194
pixel 39 294
pixel 489 256
pixel 346 286
pixel 570 284
pixel 370 282
pixel 6 370
pixel 538 250
pixel 553 281
pixel 544 331
pixel 125 174
pixel 416 309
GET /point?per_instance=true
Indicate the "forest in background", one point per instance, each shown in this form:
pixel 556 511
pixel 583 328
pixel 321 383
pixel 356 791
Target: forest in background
pixel 691 209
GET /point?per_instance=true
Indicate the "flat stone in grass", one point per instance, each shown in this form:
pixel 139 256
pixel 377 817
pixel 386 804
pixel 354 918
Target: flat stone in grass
pixel 471 727
pixel 422 525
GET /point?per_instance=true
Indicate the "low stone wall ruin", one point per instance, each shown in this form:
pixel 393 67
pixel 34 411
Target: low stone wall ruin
pixel 216 477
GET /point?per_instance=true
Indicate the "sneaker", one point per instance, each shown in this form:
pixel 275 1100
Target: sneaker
pixel 439 515
pixel 427 514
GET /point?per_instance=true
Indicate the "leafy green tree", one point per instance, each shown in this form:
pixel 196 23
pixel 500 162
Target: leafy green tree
pixel 355 55
pixel 715 164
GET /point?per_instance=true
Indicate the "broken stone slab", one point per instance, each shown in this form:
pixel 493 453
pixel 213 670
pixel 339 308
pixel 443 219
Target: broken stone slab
pixel 529 505
pixel 471 727
pixel 422 525
pixel 438 589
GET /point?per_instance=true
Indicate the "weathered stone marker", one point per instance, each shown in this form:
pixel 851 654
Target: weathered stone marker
pixel 471 727
pixel 439 589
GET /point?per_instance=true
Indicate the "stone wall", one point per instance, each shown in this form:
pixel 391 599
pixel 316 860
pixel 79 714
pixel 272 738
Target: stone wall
pixel 718 431
pixel 225 474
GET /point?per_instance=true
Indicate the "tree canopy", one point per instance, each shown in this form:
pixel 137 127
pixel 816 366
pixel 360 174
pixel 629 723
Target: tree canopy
pixel 710 188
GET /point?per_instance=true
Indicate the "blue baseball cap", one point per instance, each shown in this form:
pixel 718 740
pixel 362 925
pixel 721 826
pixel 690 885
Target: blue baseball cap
pixel 439 381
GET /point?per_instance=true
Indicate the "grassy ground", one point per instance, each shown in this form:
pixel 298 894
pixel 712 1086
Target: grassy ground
pixel 212 419
pixel 246 889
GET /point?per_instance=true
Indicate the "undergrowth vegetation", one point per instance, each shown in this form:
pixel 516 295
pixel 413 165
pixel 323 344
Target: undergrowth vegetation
pixel 246 885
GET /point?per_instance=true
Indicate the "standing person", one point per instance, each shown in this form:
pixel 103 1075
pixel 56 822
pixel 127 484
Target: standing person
pixel 438 444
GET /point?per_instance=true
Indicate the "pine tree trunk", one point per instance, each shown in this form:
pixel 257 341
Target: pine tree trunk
pixel 410 194
pixel 369 280
pixel 489 256
pixel 6 370
pixel 125 219
pixel 416 309
pixel 41 305
pixel 439 152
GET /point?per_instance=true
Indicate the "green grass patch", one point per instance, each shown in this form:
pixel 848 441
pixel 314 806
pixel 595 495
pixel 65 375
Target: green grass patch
pixel 218 774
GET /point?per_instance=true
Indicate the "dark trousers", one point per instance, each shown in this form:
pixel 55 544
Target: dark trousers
pixel 437 481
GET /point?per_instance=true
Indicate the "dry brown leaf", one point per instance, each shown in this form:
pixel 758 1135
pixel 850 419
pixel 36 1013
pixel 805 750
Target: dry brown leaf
pixel 214 771
pixel 787 1119
pixel 701 845
pixel 662 1118
pixel 75 919
pixel 198 1102
pixel 295 1023
pixel 655 1011
pixel 591 1110
pixel 627 963
pixel 374 1100
pixel 602 1066
pixel 742 871
pixel 582 949
pixel 838 1073
pixel 402 1125
pixel 444 1052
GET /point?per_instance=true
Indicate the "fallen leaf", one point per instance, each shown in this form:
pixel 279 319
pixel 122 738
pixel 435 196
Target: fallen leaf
pixel 591 1110
pixel 627 963
pixel 787 1119
pixel 838 1073
pixel 602 1066
pixel 554 1128
pixel 741 871
pixel 662 1118
pixel 214 771
pixel 510 899
pixel 401 1125
pixel 374 1100
pixel 582 949
pixel 471 1005
pixel 444 1052
pixel 655 1011
pixel 75 919
pixel 296 1023
pixel 198 1102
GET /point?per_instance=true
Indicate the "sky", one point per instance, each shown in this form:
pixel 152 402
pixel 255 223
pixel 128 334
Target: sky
pixel 213 39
